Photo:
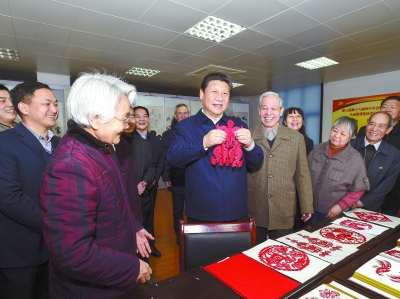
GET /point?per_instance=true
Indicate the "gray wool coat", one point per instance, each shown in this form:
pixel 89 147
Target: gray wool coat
pixel 272 189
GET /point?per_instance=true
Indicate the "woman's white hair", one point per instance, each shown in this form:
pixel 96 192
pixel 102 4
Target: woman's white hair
pixel 97 95
pixel 271 93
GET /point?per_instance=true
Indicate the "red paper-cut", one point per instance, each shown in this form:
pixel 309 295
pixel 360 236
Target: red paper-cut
pixel 394 278
pixel 342 235
pixel 372 216
pixel 394 252
pixel 322 243
pixel 356 225
pixel 384 266
pixel 327 293
pixel 230 152
pixel 282 257
pixel 309 247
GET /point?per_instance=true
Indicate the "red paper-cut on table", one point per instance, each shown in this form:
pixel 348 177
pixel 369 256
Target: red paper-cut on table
pixel 342 235
pixel 230 152
pixel 282 257
pixel 372 216
pixel 356 225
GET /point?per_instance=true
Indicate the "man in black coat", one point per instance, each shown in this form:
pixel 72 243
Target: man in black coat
pixel 382 161
pixel 142 123
pixel 173 177
pixel 391 105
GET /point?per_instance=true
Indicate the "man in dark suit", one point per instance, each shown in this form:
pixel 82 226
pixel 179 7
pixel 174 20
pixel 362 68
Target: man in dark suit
pixel 382 160
pixel 25 151
pixel 142 123
pixel 391 105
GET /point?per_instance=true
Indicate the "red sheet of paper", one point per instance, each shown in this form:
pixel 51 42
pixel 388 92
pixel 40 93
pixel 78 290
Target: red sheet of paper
pixel 250 279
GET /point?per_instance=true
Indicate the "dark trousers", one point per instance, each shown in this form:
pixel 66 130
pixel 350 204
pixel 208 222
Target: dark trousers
pixel 178 206
pixel 149 221
pixel 263 234
pixel 25 282
pixel 390 212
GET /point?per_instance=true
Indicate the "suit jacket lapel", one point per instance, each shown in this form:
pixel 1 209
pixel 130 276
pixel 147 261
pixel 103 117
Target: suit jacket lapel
pixel 30 141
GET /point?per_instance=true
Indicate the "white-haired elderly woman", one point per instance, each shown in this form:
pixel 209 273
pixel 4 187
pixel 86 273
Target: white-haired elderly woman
pixel 88 224
pixel 338 173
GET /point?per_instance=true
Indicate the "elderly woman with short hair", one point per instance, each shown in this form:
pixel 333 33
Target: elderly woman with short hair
pixel 338 173
pixel 88 224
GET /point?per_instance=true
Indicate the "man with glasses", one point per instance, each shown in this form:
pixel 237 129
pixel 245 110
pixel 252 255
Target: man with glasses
pixel 7 111
pixel 25 151
pixel 142 124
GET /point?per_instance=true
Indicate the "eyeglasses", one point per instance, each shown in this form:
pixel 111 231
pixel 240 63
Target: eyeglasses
pixel 125 121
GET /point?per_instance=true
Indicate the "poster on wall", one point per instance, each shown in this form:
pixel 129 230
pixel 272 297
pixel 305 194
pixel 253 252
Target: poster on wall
pixel 155 105
pixel 359 108
pixel 170 104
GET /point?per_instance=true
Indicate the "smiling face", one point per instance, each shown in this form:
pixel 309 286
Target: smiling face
pixel 270 112
pixel 215 98
pixel 377 127
pixel 41 112
pixel 110 132
pixel 294 121
pixel 142 120
pixel 393 108
pixel 339 136
pixel 7 111
pixel 131 123
pixel 181 113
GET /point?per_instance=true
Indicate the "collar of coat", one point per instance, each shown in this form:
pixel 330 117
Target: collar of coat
pixel 78 133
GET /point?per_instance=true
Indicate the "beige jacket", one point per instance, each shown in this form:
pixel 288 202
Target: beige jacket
pixel 272 189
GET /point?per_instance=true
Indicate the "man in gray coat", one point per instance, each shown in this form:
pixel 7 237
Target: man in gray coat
pixel 272 189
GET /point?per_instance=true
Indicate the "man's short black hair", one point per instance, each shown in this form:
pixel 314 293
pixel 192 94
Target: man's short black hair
pixel 141 107
pixel 390 98
pixel 3 87
pixel 24 92
pixel 216 76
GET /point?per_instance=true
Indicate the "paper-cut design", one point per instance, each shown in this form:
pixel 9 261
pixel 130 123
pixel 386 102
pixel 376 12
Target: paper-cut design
pixel 329 294
pixel 282 257
pixel 356 224
pixel 394 278
pixel 342 235
pixel 372 216
pixel 394 252
pixel 230 152
pixel 310 247
pixel 322 243
pixel 384 266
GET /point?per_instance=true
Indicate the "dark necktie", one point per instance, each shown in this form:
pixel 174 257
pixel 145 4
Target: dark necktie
pixel 369 154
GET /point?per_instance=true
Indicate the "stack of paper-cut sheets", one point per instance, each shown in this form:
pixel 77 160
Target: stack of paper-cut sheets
pixel 381 275
pixel 287 260
pixel 360 226
pixel 332 290
pixel 374 217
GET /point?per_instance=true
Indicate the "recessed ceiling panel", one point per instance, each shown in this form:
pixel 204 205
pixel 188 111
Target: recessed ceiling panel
pixel 188 44
pixel 334 46
pixel 41 47
pixel 248 40
pixel 220 52
pixel 286 24
pixel 135 50
pixel 299 56
pixel 169 56
pixel 313 36
pixel 8 42
pixel 150 35
pixel 92 41
pixel 276 49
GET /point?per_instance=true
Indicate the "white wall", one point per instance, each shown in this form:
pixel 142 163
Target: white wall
pixel 357 87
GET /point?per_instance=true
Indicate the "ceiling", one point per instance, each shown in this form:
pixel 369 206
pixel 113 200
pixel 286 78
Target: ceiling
pixel 67 37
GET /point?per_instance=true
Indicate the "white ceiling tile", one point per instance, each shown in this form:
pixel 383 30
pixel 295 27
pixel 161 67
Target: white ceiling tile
pixel 135 50
pixel 150 35
pixel 8 42
pixel 292 3
pixel 362 19
pixel 270 65
pixel 101 24
pixel 120 8
pixel 154 65
pixel 248 40
pixel 6 25
pixel 188 44
pixel 92 41
pixel 158 17
pixel 207 6
pixel 276 49
pixel 378 33
pixel 393 4
pixel 300 56
pixel 325 10
pixel 220 52
pixel 198 61
pixel 286 24
pixel 243 60
pixel 180 69
pixel 313 36
pixel 48 12
pixel 42 32
pixel 41 47
pixel 70 2
pixel 256 11
pixel 169 56
pixel 334 46
pixel 4 8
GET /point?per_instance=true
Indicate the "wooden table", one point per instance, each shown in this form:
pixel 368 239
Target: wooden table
pixel 199 284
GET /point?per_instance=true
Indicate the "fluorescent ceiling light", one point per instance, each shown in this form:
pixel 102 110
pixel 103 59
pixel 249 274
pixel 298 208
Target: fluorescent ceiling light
pixel 137 71
pixel 236 84
pixel 214 29
pixel 9 54
pixel 317 63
